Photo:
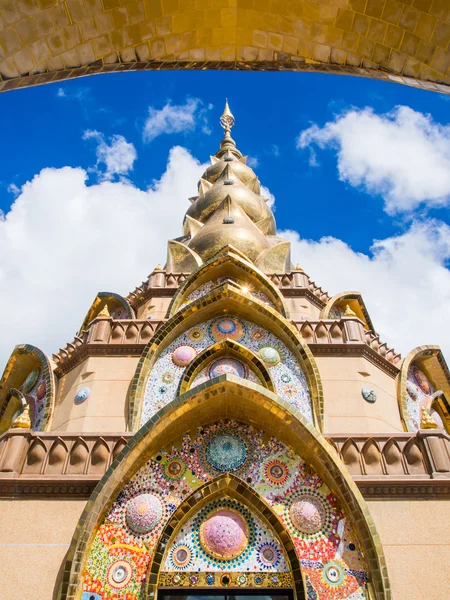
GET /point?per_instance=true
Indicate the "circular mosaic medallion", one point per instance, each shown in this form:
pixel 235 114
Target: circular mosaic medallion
pixel 41 390
pixel 224 534
pixel 31 380
pixel 183 355
pixel 181 556
pixel 227 327
pixel 163 389
pixel 412 390
pixel 285 378
pixel 289 390
pixel 268 555
pixel 276 472
pixel 196 335
pixel 227 366
pixel 210 579
pixel 226 452
pixel 168 377
pixel 421 380
pixel 174 469
pixel 307 514
pixel 119 574
pixel 270 355
pixel 333 574
pixel 143 513
pixel 82 395
pixel 369 395
pixel 241 579
pixel 258 335
pixel 176 579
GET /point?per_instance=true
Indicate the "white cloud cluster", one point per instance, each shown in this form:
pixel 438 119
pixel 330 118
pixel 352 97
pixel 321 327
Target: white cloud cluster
pixel 63 241
pixel 118 155
pixel 405 282
pixel 181 118
pixel 403 155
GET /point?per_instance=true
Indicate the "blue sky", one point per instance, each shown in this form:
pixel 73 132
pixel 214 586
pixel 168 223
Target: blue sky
pixel 405 207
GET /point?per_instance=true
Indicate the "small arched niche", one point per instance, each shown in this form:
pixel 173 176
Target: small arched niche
pixel 336 308
pixel 117 306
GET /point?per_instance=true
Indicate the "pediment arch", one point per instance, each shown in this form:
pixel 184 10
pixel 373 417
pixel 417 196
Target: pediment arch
pixel 118 307
pixel 228 264
pixel 226 348
pixel 336 306
pixel 221 302
pixel 256 406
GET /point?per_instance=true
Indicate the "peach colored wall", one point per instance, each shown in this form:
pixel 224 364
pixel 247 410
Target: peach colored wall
pixel 415 535
pixel 159 311
pixel 35 536
pixel 108 378
pixel 345 408
pixel 301 308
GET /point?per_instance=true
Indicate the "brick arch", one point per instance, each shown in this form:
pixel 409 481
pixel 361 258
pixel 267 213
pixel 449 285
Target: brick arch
pixel 395 40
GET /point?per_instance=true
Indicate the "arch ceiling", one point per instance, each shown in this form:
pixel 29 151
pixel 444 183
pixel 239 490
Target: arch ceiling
pixel 406 41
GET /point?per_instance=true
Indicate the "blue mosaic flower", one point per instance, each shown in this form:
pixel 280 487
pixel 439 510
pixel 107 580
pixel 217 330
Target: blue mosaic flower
pixel 226 452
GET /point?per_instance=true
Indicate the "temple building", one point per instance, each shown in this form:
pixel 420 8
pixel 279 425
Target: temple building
pixel 227 429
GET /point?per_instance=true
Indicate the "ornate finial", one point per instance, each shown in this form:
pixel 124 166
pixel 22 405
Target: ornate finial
pixel 23 420
pixel 298 267
pixel 227 119
pixel 348 312
pixel 426 420
pixel 158 268
pixel 104 313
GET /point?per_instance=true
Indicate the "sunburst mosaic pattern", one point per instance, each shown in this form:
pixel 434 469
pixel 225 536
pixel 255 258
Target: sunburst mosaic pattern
pixel 288 378
pixel 322 535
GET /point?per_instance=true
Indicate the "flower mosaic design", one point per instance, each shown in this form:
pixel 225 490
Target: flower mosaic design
pixel 288 378
pixel 418 395
pixel 34 388
pixel 203 289
pixel 324 539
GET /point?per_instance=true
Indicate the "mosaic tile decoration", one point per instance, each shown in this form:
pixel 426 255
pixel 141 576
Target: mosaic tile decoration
pixel 418 394
pixel 225 364
pixel 323 537
pixel 34 388
pixel 287 375
pixel 196 549
pixel 203 289
pixel 120 312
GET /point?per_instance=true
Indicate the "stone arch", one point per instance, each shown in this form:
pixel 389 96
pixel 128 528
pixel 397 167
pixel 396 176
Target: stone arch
pixel 432 362
pixel 394 41
pixel 218 302
pixel 114 301
pixel 229 263
pixel 246 403
pixel 226 348
pixel 356 304
pixel 24 359
pixel 224 485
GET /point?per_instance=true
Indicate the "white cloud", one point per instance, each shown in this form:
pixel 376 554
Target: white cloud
pixel 404 283
pixel 252 161
pixel 403 155
pixel 63 241
pixel 172 118
pixel 61 93
pixel 268 194
pixel 118 156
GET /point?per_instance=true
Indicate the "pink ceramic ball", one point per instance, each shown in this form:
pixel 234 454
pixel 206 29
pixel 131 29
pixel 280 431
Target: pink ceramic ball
pixel 307 514
pixel 224 534
pixel 183 355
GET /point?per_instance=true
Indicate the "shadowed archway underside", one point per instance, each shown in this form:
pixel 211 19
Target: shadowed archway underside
pixel 404 41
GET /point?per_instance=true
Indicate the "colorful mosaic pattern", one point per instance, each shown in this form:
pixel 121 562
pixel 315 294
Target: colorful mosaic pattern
pixel 287 376
pixel 203 289
pixel 34 389
pixel 418 395
pixel 225 365
pixel 322 536
pixel 225 536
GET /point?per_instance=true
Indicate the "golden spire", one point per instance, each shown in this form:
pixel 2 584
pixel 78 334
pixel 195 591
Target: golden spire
pixel 227 121
pixel 23 420
pixel 426 420
pixel 104 313
pixel 348 312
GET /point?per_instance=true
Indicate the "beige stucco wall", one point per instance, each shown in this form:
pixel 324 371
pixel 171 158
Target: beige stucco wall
pixel 108 378
pixel 416 539
pixel 35 536
pixel 301 309
pixel 159 310
pixel 345 409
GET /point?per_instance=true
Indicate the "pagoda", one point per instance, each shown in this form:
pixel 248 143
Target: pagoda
pixel 227 429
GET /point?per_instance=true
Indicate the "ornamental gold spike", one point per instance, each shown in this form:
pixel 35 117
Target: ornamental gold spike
pixel 227 119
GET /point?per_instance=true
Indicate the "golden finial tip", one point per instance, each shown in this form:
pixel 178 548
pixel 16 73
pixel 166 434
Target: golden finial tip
pixel 23 420
pixel 158 268
pixel 298 267
pixel 227 119
pixel 349 312
pixel 104 313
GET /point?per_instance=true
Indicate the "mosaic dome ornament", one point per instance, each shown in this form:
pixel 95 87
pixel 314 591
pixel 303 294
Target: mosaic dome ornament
pixel 143 513
pixel 227 366
pixel 224 534
pixel 369 395
pixel 270 355
pixel 183 355
pixel 227 327
pixel 333 574
pixel 226 452
pixel 82 395
pixel 276 472
pixel 181 556
pixel 41 390
pixel 268 555
pixel 421 380
pixel 119 574
pixel 175 469
pixel 258 335
pixel 168 377
pixel 31 380
pixel 196 335
pixel 307 514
